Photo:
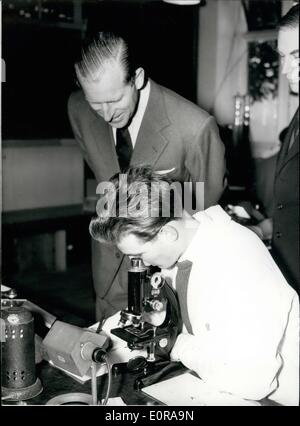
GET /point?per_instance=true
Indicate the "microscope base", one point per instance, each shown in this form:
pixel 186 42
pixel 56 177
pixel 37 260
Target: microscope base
pixel 152 372
pixel 155 377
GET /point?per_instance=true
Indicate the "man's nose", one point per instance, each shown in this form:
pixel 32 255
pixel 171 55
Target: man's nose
pixel 286 65
pixel 107 112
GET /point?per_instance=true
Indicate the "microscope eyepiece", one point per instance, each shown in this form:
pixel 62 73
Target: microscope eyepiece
pixel 136 262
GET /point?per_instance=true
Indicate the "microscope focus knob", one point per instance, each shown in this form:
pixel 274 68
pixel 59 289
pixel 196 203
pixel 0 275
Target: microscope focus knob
pixel 157 281
pixel 156 305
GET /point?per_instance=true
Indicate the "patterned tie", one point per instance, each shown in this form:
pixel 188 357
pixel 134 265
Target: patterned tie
pixel 182 280
pixel 123 147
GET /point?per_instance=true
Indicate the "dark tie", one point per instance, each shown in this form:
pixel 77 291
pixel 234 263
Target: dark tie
pixel 123 148
pixel 182 280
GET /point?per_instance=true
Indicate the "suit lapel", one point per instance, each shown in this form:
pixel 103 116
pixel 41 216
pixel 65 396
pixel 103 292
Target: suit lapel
pixel 287 154
pixel 151 141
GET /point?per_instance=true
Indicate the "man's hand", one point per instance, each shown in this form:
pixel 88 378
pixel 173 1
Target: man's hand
pixel 263 229
pixel 177 348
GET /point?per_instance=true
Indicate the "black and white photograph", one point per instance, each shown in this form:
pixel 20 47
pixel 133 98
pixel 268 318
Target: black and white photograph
pixel 149 205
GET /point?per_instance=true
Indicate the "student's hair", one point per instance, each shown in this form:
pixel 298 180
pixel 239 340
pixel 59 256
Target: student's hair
pixel 139 202
pixel 106 46
pixel 291 18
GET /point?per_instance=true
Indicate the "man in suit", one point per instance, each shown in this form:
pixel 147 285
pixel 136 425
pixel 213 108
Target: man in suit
pixel 119 118
pixel 284 224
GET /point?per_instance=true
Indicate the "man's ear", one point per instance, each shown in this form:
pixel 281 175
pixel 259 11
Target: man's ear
pixel 169 233
pixel 139 78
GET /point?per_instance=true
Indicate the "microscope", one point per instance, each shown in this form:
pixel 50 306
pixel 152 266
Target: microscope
pixel 149 295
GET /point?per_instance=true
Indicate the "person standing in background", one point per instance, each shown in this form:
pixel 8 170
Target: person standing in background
pixel 283 226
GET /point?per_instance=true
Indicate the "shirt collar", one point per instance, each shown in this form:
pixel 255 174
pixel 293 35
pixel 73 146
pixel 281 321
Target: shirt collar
pixel 210 221
pixel 189 253
pixel 138 117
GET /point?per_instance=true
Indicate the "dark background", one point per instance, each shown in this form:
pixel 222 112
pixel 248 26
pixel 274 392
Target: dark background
pixel 40 54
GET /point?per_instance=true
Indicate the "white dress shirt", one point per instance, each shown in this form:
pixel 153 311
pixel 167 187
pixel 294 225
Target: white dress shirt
pixel 138 117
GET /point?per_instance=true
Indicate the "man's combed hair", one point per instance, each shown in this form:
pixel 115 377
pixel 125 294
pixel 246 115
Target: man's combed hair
pixel 105 46
pixel 139 202
pixel 291 18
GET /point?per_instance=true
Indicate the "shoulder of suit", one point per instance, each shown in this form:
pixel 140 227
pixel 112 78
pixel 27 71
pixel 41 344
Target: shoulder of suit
pixel 77 98
pixel 79 107
pixel 179 104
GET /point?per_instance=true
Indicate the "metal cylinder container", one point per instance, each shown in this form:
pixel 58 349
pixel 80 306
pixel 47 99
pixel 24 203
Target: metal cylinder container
pixel 18 372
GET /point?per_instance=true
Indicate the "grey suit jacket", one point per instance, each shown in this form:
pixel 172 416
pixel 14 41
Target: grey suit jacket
pixel 176 135
pixel 286 212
